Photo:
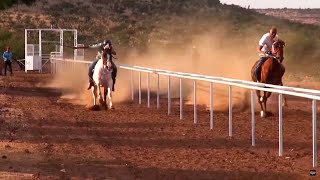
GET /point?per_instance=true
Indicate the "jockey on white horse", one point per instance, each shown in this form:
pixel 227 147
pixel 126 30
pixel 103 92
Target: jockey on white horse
pixel 104 47
pixel 102 77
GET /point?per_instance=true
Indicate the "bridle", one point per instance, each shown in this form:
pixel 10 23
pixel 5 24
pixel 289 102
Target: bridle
pixel 277 49
pixel 106 57
pixel 107 63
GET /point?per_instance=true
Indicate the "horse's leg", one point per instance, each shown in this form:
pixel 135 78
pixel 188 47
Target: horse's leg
pixel 110 97
pixel 267 95
pixel 260 100
pixel 105 98
pixel 263 100
pixel 284 102
pixel 264 111
pixel 105 94
pixel 263 106
pixel 94 94
pixel 99 91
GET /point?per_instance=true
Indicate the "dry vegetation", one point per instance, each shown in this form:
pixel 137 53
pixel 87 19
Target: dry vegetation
pixel 131 20
pixel 171 27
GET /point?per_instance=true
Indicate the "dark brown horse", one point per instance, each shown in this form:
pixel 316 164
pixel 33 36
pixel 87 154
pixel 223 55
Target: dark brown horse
pixel 271 73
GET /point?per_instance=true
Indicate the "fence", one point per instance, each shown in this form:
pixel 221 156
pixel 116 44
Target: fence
pixel 281 90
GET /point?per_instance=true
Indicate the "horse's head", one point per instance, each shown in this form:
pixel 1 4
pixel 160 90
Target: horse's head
pixel 106 61
pixel 278 47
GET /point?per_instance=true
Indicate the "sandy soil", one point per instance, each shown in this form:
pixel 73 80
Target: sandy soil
pixel 43 137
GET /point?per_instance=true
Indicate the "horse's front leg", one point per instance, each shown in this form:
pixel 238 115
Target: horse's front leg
pixel 105 94
pixel 263 103
pixel 94 94
pixel 264 110
pixel 260 100
pixel 104 100
pixel 266 95
pixel 99 91
pixel 284 102
pixel 110 98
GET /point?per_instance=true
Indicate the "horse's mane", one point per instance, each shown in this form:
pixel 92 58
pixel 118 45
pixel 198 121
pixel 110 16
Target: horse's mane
pixel 279 42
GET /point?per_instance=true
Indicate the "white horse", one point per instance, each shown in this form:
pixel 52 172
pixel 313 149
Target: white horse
pixel 102 78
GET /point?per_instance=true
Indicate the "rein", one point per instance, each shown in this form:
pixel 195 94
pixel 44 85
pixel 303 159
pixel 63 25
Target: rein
pixel 275 52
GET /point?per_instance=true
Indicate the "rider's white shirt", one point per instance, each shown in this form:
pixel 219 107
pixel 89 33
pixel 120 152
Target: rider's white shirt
pixel 266 42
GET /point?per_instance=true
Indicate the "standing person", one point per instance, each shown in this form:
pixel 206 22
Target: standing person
pixel 7 58
pixel 265 49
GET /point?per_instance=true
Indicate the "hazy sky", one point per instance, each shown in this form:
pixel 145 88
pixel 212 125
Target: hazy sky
pixel 275 3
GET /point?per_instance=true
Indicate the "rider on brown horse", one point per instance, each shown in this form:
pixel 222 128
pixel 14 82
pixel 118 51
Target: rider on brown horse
pixel 269 69
pixel 265 49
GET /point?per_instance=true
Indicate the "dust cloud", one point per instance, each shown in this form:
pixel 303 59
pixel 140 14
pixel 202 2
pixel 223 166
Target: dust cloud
pixel 216 55
pixel 72 79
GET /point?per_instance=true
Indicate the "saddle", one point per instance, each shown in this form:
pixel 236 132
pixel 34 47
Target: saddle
pixel 264 58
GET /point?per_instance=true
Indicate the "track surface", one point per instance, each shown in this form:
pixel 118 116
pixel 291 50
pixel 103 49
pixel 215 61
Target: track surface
pixel 42 137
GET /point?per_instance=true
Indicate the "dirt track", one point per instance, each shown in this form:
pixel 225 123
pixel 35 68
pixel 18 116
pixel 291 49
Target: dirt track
pixel 42 137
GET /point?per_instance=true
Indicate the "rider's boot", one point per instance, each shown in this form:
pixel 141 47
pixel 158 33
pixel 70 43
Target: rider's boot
pixel 258 73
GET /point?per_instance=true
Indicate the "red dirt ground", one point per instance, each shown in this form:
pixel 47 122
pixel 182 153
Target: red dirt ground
pixel 44 138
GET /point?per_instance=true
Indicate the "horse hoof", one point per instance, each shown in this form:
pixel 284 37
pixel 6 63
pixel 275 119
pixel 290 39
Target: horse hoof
pixel 266 114
pixel 261 99
pixel 112 108
pixel 262 114
pixel 95 108
pixel 104 106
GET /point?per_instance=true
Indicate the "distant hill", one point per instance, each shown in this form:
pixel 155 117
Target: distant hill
pixel 305 16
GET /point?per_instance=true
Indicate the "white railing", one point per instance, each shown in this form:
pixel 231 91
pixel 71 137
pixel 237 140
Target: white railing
pixel 281 90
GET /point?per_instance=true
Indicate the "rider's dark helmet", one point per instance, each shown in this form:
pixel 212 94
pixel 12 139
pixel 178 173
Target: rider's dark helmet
pixel 107 41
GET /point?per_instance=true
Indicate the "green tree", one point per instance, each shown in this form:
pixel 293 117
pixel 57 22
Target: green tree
pixel 5 4
pixel 16 42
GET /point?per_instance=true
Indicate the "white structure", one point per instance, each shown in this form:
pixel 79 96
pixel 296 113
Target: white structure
pixel 79 53
pixel 298 92
pixel 33 52
pixel 33 59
